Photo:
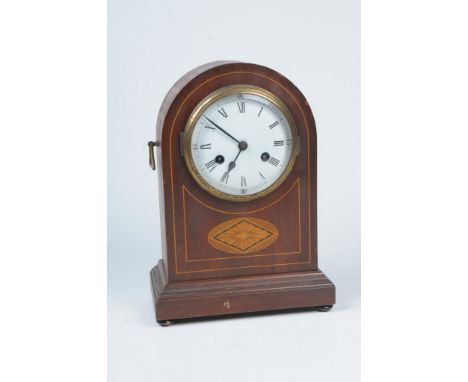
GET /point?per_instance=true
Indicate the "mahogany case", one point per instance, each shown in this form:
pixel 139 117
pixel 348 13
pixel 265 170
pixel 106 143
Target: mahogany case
pixel 202 271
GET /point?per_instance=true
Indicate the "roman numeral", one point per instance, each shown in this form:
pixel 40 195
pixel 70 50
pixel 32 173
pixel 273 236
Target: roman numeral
pixel 275 162
pixel 243 190
pixel 225 177
pixel 209 127
pixel 263 177
pixel 260 112
pixel 276 123
pixel 279 143
pixel 241 106
pixel 223 112
pixel 195 146
pixel 243 182
pixel 210 165
pixel 206 146
pixel 288 142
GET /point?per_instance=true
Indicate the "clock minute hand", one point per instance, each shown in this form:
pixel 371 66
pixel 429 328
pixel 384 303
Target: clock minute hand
pixel 220 128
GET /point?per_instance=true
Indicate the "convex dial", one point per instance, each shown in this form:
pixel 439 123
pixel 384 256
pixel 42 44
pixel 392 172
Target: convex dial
pixel 241 143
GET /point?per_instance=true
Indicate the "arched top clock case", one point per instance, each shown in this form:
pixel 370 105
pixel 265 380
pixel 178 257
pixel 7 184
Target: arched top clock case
pixel 228 248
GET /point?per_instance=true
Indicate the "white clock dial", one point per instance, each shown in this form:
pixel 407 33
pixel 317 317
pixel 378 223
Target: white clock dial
pixel 241 144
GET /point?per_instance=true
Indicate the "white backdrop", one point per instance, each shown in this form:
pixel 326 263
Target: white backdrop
pixel 316 44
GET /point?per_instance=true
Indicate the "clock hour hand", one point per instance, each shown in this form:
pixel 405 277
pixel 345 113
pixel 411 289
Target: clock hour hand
pixel 232 164
pixel 220 128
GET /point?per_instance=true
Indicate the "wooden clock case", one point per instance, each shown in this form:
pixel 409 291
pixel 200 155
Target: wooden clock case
pixel 202 275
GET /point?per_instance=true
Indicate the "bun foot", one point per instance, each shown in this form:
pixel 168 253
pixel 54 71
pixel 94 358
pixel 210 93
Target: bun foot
pixel 165 323
pixel 324 308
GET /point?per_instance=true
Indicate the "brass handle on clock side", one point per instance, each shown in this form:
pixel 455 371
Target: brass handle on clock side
pixel 152 160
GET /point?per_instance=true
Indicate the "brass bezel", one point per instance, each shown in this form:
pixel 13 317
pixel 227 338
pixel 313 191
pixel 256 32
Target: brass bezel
pixel 200 109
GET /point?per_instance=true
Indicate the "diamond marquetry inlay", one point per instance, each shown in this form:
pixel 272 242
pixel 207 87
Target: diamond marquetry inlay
pixel 243 235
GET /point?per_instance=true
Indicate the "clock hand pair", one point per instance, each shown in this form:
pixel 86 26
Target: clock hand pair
pixel 220 128
pixel 242 147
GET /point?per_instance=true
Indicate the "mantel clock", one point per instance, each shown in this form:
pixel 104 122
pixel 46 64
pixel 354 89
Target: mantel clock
pixel 237 164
